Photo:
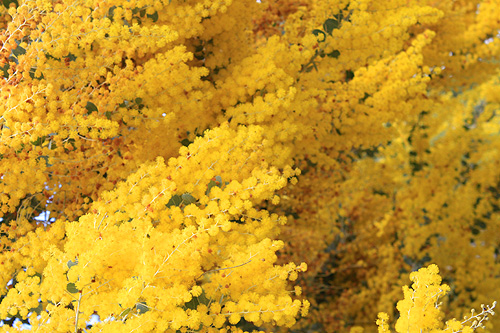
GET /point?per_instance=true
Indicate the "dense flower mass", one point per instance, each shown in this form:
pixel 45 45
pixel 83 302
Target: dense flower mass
pixel 235 166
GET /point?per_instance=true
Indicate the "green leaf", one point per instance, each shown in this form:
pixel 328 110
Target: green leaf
pixel 7 3
pixel 38 141
pixel 5 69
pixel 142 308
pixel 330 25
pixel 52 145
pixel 186 142
pixel 349 75
pixel 125 312
pixel 178 200
pixel 18 51
pixel 334 54
pixel 91 107
pixel 361 100
pixel 195 301
pixel 199 56
pixel 111 12
pixel 153 16
pixel 209 186
pixel 479 223
pixel 71 287
pixel 32 74
pixel 339 17
pixel 38 309
pixel 316 32
pixel 72 263
pixel 51 57
pixel 175 200
pixel 212 183
pixel 188 199
pixel 108 114
pixel 46 158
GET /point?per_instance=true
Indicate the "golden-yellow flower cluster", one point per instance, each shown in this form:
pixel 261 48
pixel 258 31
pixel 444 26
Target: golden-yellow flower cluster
pixel 197 156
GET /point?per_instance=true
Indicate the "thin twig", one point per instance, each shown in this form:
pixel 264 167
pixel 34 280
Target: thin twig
pixel 78 312
pixel 221 269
